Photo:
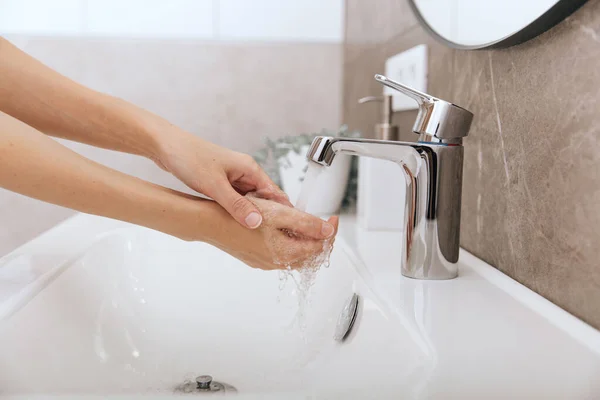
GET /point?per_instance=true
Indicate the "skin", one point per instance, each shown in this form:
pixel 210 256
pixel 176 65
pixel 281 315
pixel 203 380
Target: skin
pixel 36 101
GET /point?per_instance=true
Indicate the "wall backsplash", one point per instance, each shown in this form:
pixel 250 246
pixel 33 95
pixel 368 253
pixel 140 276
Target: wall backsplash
pixel 531 191
pixel 230 93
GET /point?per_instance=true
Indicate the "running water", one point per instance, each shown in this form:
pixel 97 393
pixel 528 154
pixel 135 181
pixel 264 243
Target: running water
pixel 305 277
pixel 310 179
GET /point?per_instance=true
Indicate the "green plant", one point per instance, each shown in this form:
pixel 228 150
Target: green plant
pixel 276 151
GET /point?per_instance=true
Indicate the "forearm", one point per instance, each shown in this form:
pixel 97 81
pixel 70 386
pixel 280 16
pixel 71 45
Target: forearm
pixel 37 166
pixel 58 106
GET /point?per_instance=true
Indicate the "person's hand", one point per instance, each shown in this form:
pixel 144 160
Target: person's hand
pixel 222 174
pixel 287 238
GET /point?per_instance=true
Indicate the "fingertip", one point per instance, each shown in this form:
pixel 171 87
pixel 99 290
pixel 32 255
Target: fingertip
pixel 253 220
pixel 241 208
pixel 327 230
pixel 334 221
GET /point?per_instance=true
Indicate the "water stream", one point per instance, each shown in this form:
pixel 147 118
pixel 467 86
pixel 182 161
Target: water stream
pixel 310 179
pixel 304 278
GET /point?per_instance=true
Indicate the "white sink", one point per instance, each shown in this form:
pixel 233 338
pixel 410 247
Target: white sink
pixel 99 307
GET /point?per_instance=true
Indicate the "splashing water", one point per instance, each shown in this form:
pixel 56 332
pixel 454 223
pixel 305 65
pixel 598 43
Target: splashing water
pixel 302 276
pixel 304 279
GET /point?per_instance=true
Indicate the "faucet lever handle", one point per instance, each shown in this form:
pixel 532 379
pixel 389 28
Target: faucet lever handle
pixel 414 94
pixel 438 120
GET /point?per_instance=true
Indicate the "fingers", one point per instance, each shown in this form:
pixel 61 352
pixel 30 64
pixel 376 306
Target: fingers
pixel 275 194
pixel 302 253
pixel 290 250
pixel 307 225
pixel 267 189
pixel 239 207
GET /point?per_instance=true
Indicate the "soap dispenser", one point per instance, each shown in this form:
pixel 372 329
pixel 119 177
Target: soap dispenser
pixel 381 196
pixel 384 130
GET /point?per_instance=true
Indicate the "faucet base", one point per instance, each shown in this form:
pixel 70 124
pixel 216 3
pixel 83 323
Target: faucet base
pixel 437 275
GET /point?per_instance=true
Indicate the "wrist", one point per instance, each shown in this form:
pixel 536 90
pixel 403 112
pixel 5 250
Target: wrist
pixel 164 138
pixel 142 130
pixel 181 215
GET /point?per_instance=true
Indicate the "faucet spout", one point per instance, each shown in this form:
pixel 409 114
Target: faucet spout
pixel 433 178
pixel 323 150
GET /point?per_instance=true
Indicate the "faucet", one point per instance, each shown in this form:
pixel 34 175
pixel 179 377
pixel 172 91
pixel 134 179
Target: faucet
pixel 433 174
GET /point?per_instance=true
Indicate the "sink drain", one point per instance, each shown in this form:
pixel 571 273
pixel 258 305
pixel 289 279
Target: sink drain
pixel 204 384
pixel 346 319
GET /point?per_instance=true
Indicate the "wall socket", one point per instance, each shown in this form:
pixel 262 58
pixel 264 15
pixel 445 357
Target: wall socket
pixel 409 68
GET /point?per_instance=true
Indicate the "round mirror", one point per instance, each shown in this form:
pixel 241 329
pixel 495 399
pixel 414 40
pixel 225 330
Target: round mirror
pixel 479 24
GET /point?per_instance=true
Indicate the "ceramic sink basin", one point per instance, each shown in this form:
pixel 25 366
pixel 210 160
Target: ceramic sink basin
pixel 96 307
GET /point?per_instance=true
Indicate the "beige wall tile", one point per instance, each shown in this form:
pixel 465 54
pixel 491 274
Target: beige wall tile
pixel 376 21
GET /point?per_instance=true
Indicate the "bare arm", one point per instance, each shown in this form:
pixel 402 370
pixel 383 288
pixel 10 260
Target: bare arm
pixel 34 165
pixel 58 106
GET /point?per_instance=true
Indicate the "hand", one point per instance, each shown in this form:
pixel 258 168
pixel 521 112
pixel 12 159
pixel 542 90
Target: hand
pixel 222 174
pixel 288 238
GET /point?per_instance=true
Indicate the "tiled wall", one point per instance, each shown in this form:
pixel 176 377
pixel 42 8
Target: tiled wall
pixel 265 20
pixel 531 192
pixel 230 86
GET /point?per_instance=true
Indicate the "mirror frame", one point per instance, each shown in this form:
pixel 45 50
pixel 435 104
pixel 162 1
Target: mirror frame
pixel 557 13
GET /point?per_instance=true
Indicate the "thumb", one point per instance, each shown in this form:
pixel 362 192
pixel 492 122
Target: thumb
pixel 239 207
pixel 335 221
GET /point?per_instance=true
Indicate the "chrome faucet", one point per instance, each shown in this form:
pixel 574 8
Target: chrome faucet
pixel 433 172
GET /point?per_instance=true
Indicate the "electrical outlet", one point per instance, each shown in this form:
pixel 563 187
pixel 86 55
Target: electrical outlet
pixel 409 68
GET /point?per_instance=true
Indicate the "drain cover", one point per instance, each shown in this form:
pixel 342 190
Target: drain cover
pixel 204 384
pixel 346 318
